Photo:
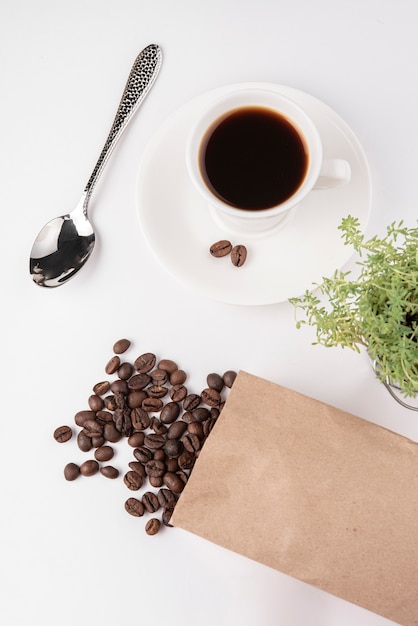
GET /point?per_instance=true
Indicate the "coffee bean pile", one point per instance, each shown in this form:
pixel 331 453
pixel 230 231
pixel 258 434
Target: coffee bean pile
pixel 224 247
pixel 147 404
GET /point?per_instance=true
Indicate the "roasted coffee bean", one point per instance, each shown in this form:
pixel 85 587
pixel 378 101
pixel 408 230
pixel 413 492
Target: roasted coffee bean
pixel 63 434
pixel 142 454
pixel 166 497
pixel 178 377
pixel 214 412
pixel 120 399
pixel 138 467
pixel 173 482
pixel 220 248
pixel 93 428
pixel 238 255
pixel 229 378
pixel 121 345
pixel 176 430
pixel 153 441
pixel 211 397
pixel 178 393
pixel 140 419
pixel 125 371
pixel 172 464
pixel 101 388
pixel 196 428
pixel 167 514
pixel 136 439
pixel 71 471
pixel 82 416
pixel 156 481
pixel 104 453
pixel 150 502
pixel 96 442
pixel 152 405
pixel 184 477
pixel 188 417
pixel 84 442
pixel 145 363
pixel 134 399
pixel 89 467
pixel 96 403
pixel 133 480
pixel 214 381
pixel 173 448
pixel 159 377
pixel 157 391
pixel 191 442
pixel 110 403
pixel 159 455
pixel 108 471
pixel 134 507
pixel 119 386
pixel 152 526
pixel 167 365
pixel 158 427
pixel 207 426
pixel 104 417
pixel 170 413
pixel 112 365
pixel 139 381
pixel 155 468
pixel 201 414
pixel 123 422
pixel 191 402
pixel 186 460
pixel 111 434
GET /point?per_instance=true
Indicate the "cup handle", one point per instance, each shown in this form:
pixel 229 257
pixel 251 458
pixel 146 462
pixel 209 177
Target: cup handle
pixel 334 172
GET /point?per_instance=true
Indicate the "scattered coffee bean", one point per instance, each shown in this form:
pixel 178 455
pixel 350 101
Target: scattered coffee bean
pixel 96 403
pixel 238 255
pixel 150 502
pixel 152 526
pixel 121 346
pixel 145 363
pixel 63 434
pixel 168 366
pixel 134 507
pixel 229 378
pixel 214 381
pixel 173 482
pixel 104 453
pixel 178 377
pixel 133 480
pixel 101 388
pixel 89 468
pixel 108 471
pixel 112 365
pixel 166 435
pixel 220 248
pixel 71 471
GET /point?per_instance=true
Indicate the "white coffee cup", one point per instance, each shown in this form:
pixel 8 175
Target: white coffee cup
pixel 318 173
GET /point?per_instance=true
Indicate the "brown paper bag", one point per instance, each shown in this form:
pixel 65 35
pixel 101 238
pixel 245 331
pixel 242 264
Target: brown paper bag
pixel 312 491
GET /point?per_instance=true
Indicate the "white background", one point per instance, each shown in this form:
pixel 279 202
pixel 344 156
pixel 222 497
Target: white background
pixel 69 554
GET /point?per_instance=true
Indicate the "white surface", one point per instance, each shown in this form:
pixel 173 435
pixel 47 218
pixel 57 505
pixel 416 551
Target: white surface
pixel 70 555
pixel 283 261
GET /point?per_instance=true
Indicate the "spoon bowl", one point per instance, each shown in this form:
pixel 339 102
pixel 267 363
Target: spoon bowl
pixel 61 248
pixel 65 243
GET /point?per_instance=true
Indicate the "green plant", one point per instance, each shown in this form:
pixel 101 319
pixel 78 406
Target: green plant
pixel 378 309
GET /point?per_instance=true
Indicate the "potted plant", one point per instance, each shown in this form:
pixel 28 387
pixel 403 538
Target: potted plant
pixel 377 310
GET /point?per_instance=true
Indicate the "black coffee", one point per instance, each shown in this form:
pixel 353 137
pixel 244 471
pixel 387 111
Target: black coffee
pixel 253 159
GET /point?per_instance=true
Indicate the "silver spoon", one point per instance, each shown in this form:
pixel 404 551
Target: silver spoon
pixel 65 243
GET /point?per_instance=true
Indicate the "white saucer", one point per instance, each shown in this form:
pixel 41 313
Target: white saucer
pixel 179 228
